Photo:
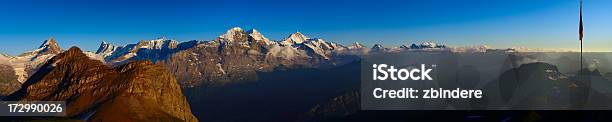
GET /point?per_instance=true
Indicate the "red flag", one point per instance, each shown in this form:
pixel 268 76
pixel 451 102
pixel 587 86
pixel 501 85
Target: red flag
pixel 580 30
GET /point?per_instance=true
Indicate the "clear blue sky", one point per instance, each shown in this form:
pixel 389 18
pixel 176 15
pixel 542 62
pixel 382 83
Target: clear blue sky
pixel 24 24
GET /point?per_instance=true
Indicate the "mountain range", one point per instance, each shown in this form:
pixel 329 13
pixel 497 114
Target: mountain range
pixel 234 56
pixel 229 57
pixel 106 84
pixel 163 79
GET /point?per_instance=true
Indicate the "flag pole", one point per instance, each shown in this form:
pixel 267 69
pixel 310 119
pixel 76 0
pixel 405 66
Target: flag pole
pixel 581 35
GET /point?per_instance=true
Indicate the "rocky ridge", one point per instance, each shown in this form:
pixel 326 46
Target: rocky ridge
pixel 93 89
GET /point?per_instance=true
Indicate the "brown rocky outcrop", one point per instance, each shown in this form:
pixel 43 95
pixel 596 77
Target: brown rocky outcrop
pixel 8 80
pixel 136 91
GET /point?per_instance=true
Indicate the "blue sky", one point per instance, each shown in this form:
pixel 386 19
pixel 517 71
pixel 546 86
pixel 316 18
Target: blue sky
pixel 550 24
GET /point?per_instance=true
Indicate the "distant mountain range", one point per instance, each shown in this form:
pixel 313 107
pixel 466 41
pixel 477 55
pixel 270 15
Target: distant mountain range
pixel 237 52
pixel 96 83
pixel 233 56
pixel 155 73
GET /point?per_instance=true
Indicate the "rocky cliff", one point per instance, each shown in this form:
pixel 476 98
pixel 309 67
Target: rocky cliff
pixel 136 91
pixel 8 80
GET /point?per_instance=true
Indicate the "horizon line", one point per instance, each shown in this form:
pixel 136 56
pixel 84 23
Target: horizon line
pixel 523 49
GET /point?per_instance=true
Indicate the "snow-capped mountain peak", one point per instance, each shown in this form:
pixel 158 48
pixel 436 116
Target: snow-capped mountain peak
pixel 378 46
pixel 31 60
pixel 336 46
pixel 232 34
pixel 295 38
pixel 258 36
pixel 106 49
pixel 429 44
pixel 236 29
pixel 320 43
pixel 104 46
pixel 160 43
pixel 49 43
pixel 425 45
pixel 356 45
pixel 48 47
pixel 319 46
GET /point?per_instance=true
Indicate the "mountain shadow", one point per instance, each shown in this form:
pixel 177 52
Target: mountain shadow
pixel 275 96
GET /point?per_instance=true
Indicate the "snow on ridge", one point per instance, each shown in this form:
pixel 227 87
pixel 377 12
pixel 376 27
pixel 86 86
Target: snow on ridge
pixel 32 59
pixel 295 38
pixel 106 49
pixel 319 47
pixel 286 52
pixel 160 43
pixel 231 33
pixel 526 49
pixel 47 43
pixel 356 45
pixel 471 49
pixel 258 36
